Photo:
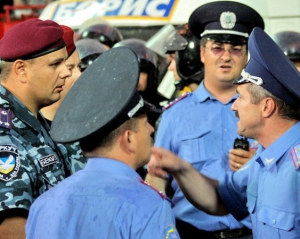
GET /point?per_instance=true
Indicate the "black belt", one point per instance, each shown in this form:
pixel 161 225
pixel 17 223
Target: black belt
pixel 185 231
pixel 241 232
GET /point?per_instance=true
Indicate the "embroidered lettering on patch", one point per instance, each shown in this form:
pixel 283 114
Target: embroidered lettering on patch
pixel 9 162
pixel 48 160
pixel 171 232
pixel 295 155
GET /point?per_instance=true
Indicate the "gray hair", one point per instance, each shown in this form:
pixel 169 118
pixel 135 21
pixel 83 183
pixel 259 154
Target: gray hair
pixel 285 110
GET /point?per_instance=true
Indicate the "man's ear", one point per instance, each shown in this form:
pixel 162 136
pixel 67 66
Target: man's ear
pixel 127 141
pixel 20 69
pixel 202 58
pixel 269 107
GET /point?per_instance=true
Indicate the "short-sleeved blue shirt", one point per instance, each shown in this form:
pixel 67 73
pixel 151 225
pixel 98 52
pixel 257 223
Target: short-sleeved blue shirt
pixel 201 130
pixel 268 187
pixel 107 199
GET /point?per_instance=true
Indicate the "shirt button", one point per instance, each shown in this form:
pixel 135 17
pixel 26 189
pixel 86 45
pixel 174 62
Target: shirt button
pixel 225 130
pixel 273 222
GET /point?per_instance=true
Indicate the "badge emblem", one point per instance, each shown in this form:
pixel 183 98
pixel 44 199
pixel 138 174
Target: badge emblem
pixel 171 232
pixel 227 20
pixel 9 162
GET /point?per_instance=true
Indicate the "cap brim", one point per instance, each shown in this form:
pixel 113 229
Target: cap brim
pixel 240 80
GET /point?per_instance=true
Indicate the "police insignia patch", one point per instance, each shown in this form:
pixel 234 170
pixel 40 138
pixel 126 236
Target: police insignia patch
pixel 9 162
pixel 171 232
pixel 295 154
pixel 227 20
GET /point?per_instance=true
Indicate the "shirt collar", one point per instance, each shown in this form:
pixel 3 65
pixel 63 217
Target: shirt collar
pixel 269 156
pixel 202 94
pixel 111 166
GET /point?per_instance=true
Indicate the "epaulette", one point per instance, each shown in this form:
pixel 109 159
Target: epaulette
pixel 6 117
pixel 159 192
pixel 176 100
pixel 295 154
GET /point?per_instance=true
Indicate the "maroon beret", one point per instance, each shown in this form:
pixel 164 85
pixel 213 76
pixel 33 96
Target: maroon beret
pixel 30 39
pixel 69 39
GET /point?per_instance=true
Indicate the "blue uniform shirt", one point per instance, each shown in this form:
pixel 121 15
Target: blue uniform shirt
pixel 268 188
pixel 201 130
pixel 104 200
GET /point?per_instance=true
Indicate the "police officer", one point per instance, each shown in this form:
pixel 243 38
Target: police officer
pixel 184 50
pixel 105 33
pixel 89 50
pixel 267 187
pixel 148 80
pixel 289 42
pixel 107 197
pixel 33 73
pixel 200 127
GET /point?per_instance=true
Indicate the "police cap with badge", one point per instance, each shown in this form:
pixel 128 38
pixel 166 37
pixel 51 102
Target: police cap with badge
pixel 102 98
pixel 225 21
pixel 271 69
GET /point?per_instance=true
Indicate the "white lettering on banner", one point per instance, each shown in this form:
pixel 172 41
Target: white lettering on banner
pixel 64 11
pixel 153 8
pixel 134 8
pixel 112 5
pixel 110 8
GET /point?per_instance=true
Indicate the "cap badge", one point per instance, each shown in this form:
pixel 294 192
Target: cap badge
pixel 227 20
pixel 250 78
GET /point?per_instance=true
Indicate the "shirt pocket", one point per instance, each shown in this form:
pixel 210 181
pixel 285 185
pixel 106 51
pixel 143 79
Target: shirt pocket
pixel 276 218
pixel 192 146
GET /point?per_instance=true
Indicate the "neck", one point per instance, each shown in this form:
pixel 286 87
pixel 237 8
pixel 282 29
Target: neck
pixel 49 111
pixel 223 91
pixel 273 131
pixel 21 96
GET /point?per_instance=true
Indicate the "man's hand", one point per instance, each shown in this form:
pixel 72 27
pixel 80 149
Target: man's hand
pixel 238 157
pixel 163 162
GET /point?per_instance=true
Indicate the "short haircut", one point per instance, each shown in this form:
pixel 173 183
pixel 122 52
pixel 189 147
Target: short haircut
pixel 6 68
pixel 101 139
pixel 285 110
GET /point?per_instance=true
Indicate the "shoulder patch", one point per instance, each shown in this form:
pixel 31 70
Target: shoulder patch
pixel 171 232
pixel 176 100
pixel 9 162
pixel 295 155
pixel 6 117
pixel 159 192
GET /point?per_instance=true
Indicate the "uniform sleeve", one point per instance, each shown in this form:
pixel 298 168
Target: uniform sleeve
pixel 26 171
pixel 75 160
pixel 233 192
pixel 15 183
